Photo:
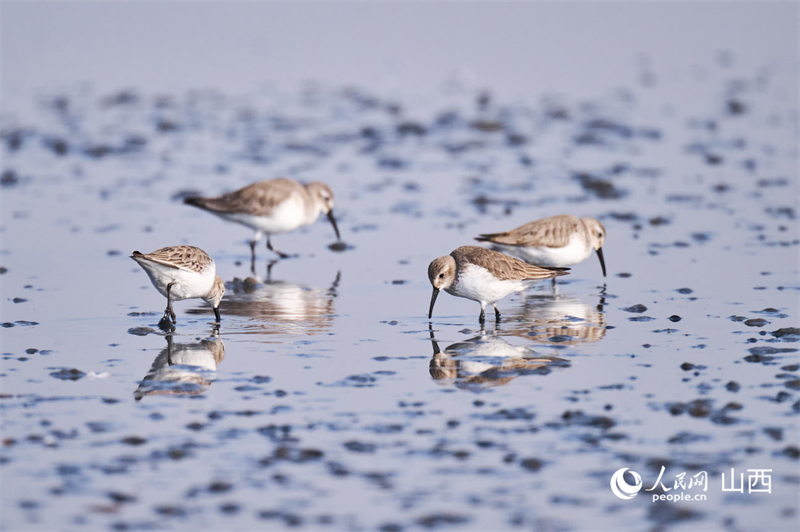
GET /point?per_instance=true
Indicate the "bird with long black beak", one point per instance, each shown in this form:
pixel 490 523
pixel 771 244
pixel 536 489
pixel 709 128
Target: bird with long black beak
pixel 484 276
pixel 272 207
pixel 555 242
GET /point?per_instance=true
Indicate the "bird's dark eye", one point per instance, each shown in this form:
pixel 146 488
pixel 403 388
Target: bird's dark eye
pixel 441 275
pixel 599 235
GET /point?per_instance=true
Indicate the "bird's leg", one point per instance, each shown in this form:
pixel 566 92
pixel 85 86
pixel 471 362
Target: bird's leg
pixel 482 317
pixel 253 256
pixel 165 324
pixel 496 314
pixel 554 281
pixel 169 305
pixel 270 264
pixel 272 249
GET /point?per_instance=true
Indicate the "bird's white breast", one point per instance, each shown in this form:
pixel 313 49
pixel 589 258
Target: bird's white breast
pixel 187 284
pixel 286 216
pixel 478 284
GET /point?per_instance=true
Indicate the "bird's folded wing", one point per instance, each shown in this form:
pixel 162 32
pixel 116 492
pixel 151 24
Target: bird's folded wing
pixel 187 258
pixel 553 232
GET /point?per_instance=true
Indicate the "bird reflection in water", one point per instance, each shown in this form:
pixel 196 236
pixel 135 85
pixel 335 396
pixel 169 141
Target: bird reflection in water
pixel 278 307
pixel 487 360
pixel 559 319
pixel 183 368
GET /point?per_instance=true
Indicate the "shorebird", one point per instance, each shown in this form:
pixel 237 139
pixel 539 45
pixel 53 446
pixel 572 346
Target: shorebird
pixel 182 272
pixel 554 242
pixel 484 276
pixel 272 207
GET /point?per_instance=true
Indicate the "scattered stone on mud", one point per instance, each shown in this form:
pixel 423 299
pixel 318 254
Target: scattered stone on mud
pixel 638 308
pixel 601 188
pixel 141 331
pixel 65 374
pixel 531 464
pixel 786 331
pixel 9 178
pixel 442 519
pixel 133 440
pixel 791 451
pixel 359 447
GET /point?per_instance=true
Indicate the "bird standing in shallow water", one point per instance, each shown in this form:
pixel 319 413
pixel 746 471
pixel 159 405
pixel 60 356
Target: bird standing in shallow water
pixel 484 276
pixel 554 242
pixel 272 207
pixel 182 272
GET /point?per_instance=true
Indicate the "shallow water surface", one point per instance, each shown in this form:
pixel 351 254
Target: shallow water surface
pixel 327 399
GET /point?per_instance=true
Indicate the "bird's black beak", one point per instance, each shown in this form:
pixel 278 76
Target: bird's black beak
pixel 216 313
pixel 433 302
pixel 602 262
pixel 333 223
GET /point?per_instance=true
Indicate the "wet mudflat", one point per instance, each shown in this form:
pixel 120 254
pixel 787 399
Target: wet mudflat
pixel 327 399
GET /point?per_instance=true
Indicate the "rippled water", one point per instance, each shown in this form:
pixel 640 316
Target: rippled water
pixel 327 399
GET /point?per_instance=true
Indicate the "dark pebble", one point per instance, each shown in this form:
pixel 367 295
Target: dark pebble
pixel 684 290
pixel 170 511
pixel 339 246
pixel 68 374
pixel 9 178
pixel 140 331
pixel 699 408
pixel 438 520
pixel 756 322
pixel 674 318
pixel 638 308
pixel 359 447
pixel 791 451
pixel 120 497
pixel 133 440
pixel 733 386
pixel 229 508
pixel 531 464
pixel 786 331
pixel 219 487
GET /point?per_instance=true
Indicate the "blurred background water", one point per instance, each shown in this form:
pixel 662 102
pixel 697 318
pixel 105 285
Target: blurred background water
pixel 327 399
